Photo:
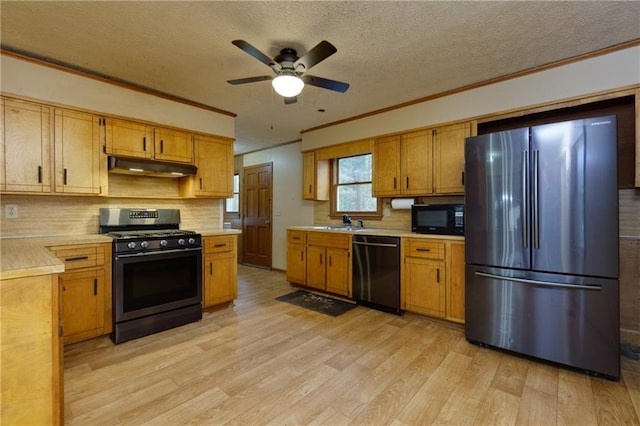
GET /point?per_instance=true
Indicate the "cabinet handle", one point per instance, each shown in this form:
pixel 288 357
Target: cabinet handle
pixel 39 174
pixel 329 261
pixel 64 179
pixel 394 182
pixel 200 184
pixel 144 143
pixel 95 286
pixel 438 275
pixel 310 189
pixel 210 268
pixel 301 255
pixel 321 259
pixel 161 146
pixel 422 249
pixel 407 182
pixel 60 331
pixel 72 259
pixel 220 245
pixel 295 238
pixel 462 178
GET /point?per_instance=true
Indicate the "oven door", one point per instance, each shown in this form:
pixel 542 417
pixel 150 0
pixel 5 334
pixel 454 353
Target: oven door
pixel 153 282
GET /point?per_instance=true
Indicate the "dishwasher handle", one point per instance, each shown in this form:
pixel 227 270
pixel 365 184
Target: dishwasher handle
pixel 375 244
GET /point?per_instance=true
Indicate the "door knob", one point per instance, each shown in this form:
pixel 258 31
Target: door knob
pixel 267 222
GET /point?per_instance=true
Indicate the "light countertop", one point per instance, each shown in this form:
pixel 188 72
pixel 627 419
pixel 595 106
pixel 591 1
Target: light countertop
pixel 28 256
pixel 376 231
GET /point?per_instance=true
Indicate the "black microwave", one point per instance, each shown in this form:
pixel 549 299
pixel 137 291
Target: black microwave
pixel 443 219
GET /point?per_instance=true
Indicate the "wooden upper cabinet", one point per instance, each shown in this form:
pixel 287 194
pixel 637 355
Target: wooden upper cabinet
pixel 416 159
pixel 402 165
pixel 128 138
pixel 449 158
pixel 386 166
pixel 214 159
pixel 425 162
pixel 315 177
pixel 77 152
pixel 173 145
pixel 25 143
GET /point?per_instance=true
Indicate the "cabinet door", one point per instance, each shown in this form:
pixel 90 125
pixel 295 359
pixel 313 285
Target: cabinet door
pixel 455 287
pixel 338 272
pixel 386 167
pixel 215 167
pixel 219 278
pixel 308 176
pixel 425 280
pixel 297 264
pixel 77 152
pixel 417 160
pixel 173 145
pixel 316 269
pixel 83 304
pixel 26 147
pixel 449 158
pixel 129 139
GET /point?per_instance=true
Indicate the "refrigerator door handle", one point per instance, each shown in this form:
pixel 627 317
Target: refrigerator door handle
pixel 525 201
pixel 592 287
pixel 535 215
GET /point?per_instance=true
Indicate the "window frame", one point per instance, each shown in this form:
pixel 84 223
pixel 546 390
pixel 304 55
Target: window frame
pixel 333 196
pixel 234 215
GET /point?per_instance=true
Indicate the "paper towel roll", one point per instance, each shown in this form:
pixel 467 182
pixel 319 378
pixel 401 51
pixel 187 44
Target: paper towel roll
pixel 402 203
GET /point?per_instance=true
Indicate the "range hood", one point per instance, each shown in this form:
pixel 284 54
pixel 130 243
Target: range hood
pixel 144 167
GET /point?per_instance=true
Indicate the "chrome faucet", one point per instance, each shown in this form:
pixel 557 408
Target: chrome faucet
pixel 360 223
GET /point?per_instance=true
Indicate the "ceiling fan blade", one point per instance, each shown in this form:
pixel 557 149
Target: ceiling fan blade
pixel 250 79
pixel 325 83
pixel 322 51
pixel 291 100
pixel 255 53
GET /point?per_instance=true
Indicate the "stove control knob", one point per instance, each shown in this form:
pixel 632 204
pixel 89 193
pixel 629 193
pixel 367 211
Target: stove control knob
pixel 144 244
pixel 192 241
pixel 163 243
pixel 131 245
pixel 181 242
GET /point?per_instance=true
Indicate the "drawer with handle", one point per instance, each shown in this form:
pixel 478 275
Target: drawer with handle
pixel 77 257
pixel 218 244
pixel 296 237
pixel 417 247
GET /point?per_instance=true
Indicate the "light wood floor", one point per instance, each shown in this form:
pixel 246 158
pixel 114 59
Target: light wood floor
pixel 268 362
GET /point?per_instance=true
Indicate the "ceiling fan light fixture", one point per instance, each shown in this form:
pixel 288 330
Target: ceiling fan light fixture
pixel 287 85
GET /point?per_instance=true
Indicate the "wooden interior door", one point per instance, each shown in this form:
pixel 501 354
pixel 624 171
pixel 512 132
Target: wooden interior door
pixel 256 228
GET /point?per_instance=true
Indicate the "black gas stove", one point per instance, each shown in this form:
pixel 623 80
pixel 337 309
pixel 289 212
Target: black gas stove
pixel 163 239
pixel 157 271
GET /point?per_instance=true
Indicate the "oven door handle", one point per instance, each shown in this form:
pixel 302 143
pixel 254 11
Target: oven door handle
pixel 155 253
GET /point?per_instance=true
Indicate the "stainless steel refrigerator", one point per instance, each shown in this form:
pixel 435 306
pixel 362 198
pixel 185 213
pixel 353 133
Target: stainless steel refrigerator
pixel 541 237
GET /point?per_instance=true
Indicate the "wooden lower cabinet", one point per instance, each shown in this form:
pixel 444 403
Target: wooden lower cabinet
pixel 338 272
pixel 219 270
pixel 31 385
pixel 86 290
pixel 320 260
pixel 433 277
pixel 456 284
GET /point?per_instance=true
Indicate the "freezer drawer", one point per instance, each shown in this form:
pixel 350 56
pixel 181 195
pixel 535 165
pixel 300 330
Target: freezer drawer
pixel 565 319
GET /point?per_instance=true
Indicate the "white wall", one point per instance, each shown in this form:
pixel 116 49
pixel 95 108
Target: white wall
pixel 24 78
pixel 289 209
pixel 606 72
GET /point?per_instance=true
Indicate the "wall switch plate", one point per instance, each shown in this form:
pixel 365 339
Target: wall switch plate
pixel 11 211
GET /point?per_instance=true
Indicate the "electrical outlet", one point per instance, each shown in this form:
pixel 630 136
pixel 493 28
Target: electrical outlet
pixel 11 211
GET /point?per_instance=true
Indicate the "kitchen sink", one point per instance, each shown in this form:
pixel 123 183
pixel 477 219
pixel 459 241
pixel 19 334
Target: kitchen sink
pixel 338 228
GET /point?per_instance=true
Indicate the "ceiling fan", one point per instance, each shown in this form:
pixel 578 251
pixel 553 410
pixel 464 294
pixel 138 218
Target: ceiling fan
pixel 290 70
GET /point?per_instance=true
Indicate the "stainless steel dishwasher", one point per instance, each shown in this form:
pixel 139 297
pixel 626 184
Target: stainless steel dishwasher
pixel 376 272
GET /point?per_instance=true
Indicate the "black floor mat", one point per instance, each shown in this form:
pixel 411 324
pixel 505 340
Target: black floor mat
pixel 324 305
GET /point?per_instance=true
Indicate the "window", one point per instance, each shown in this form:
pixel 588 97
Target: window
pixel 351 186
pixel 233 204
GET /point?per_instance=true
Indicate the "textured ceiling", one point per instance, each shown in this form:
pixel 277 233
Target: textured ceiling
pixel 390 52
